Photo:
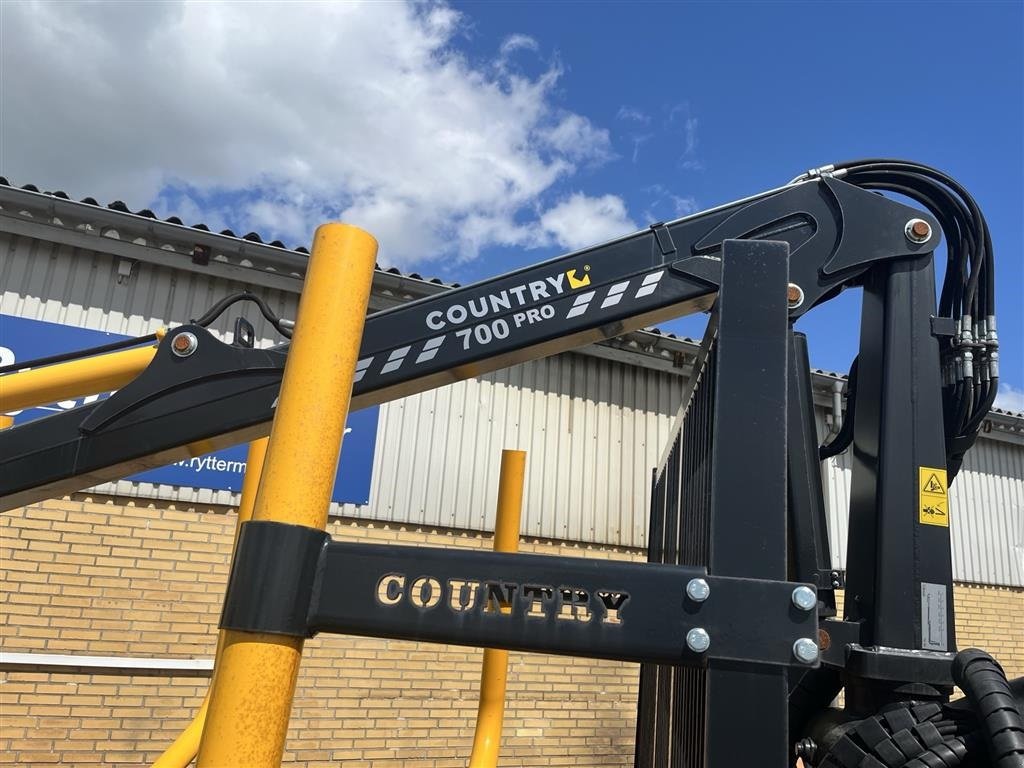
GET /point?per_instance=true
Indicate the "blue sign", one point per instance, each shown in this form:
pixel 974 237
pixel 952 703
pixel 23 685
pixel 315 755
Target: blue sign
pixel 23 339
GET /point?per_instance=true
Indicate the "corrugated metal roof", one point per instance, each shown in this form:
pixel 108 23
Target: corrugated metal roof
pixel 120 206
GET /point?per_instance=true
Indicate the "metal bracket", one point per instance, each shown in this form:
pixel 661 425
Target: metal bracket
pixel 295 581
pixel 125 268
pixel 943 326
pixel 900 665
pixel 272 580
pixel 663 238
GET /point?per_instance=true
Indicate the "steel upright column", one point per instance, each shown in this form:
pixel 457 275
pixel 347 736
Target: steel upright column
pixel 251 700
pixel 748 486
pixel 899 562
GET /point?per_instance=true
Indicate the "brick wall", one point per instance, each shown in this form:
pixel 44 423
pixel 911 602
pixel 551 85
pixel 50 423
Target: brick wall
pixel 117 577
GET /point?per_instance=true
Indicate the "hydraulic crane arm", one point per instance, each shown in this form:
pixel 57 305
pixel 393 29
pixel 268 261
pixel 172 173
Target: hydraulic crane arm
pixel 218 395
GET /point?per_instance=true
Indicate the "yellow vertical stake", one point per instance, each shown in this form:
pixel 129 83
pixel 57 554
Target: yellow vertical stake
pixel 493 673
pixel 183 749
pixel 254 684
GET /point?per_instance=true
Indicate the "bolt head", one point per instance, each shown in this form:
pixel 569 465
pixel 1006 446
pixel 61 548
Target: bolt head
pixel 794 295
pixel 805 650
pixel 698 640
pixel 805 598
pixel 918 230
pixel 184 344
pixel 698 590
pixel 824 640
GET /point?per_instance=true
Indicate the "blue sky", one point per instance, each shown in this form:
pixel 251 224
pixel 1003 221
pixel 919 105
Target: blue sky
pixel 709 102
pixel 473 138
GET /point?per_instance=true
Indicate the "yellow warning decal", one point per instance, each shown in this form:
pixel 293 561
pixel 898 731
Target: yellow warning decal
pixel 933 503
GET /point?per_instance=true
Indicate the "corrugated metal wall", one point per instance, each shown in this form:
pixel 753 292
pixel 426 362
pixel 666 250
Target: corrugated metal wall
pixel 61 284
pixel 986 504
pixel 986 501
pixel 593 428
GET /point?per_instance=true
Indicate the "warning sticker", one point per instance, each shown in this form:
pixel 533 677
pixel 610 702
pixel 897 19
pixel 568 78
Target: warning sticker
pixel 933 503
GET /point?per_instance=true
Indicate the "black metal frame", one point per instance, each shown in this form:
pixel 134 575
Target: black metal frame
pixel 719 501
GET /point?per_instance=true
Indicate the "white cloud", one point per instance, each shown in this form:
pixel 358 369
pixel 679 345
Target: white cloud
pixel 684 206
pixel 581 220
pixel 690 133
pixel 302 113
pixel 632 114
pixel 665 204
pixel 576 138
pixel 681 122
pixel 518 42
pixel 1010 398
pixel 638 140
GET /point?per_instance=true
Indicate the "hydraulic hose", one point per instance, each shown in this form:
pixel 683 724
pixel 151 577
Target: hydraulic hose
pixel 985 685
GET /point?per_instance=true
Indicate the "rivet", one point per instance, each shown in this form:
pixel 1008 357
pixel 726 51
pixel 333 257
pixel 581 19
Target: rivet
pixel 184 344
pixel 794 295
pixel 918 230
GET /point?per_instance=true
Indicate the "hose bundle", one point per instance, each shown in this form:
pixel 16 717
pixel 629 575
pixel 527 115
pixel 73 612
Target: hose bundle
pixel 970 358
pixel 985 685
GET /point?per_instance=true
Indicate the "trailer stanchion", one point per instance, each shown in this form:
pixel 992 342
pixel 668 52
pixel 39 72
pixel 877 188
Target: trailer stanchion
pixel 184 749
pixel 251 697
pixel 491 713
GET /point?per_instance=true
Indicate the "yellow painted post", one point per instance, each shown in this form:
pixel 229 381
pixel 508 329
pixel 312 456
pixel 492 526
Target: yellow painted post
pixel 254 683
pixel 491 712
pixel 74 378
pixel 184 749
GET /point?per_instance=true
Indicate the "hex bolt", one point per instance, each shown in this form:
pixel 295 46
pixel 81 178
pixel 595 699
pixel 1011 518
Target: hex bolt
pixel 804 598
pixel 697 640
pixel 805 650
pixel 918 230
pixel 698 590
pixel 184 344
pixel 794 295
